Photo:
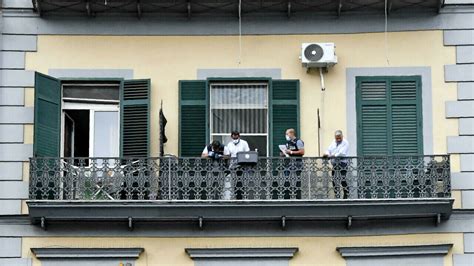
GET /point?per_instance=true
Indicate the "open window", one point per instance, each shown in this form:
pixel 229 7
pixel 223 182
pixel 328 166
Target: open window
pixel 91 118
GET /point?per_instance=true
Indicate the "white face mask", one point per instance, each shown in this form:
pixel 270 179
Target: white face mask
pixel 236 141
pixel 287 137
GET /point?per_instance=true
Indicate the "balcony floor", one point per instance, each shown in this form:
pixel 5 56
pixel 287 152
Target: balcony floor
pixel 238 210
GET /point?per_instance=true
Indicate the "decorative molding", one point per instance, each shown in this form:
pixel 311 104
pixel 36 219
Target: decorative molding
pixel 220 253
pixel 91 73
pixel 349 252
pixel 82 253
pixel 274 73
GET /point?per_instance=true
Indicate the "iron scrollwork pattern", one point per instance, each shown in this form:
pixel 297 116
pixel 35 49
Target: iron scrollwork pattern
pixel 173 178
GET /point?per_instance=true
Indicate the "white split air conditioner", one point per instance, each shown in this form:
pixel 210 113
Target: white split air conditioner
pixel 318 55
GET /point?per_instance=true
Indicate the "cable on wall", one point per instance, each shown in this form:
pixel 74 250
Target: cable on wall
pixel 240 33
pixel 386 33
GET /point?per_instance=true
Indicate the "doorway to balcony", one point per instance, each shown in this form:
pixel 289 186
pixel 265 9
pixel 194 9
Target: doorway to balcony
pixel 90 120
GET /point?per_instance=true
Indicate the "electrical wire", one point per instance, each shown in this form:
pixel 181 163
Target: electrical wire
pixel 386 33
pixel 240 33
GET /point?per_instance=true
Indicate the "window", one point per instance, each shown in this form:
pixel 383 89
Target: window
pixel 91 118
pixel 240 106
pixel 90 115
pixel 389 115
pixel 261 108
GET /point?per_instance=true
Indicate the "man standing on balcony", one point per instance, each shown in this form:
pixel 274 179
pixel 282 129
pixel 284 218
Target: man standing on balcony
pixel 339 149
pixel 294 148
pixel 215 150
pixel 294 145
pixel 237 144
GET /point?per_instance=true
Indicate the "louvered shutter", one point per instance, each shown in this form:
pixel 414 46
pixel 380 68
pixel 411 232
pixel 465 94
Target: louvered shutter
pixel 135 118
pixel 193 117
pixel 389 115
pixel 47 127
pixel 284 111
pixel 406 116
pixel 373 125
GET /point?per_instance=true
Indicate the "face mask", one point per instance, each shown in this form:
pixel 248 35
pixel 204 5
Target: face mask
pixel 236 141
pixel 287 137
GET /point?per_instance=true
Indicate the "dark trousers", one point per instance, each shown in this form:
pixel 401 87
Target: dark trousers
pixel 339 172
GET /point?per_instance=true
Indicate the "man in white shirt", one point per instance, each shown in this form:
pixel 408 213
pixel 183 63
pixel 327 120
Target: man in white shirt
pixel 337 151
pixel 237 144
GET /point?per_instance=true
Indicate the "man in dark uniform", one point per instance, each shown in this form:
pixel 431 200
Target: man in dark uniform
pixel 293 168
pixel 294 145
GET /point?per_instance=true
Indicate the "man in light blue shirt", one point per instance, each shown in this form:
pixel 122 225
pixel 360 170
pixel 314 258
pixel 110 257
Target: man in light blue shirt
pixel 337 151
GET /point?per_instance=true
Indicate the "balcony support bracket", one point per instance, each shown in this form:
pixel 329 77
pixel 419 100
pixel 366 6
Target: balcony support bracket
pixel 283 223
pixel 438 219
pixel 130 223
pixel 43 223
pixel 201 223
pixel 349 222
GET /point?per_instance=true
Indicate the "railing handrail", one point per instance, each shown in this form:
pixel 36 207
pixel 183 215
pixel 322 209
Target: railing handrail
pixel 260 157
pixel 196 178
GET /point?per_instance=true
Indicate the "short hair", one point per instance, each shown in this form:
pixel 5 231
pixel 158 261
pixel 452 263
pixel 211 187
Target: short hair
pixel 291 130
pixel 338 133
pixel 234 132
pixel 216 144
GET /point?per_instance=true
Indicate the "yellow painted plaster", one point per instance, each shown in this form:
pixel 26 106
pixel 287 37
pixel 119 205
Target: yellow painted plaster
pixel 456 195
pixel 168 59
pixel 28 134
pixel 29 97
pixel 312 250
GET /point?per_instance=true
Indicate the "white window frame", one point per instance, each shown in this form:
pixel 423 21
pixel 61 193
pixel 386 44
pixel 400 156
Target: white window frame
pixel 92 108
pixel 224 134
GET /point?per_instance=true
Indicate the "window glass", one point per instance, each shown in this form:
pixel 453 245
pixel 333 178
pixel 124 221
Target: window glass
pixel 106 130
pixel 242 107
pixel 91 91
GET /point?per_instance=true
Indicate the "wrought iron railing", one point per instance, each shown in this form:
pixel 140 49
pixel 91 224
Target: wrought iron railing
pixel 172 178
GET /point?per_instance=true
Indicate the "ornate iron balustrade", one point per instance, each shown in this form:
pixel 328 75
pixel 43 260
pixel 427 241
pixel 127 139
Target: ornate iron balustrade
pixel 172 178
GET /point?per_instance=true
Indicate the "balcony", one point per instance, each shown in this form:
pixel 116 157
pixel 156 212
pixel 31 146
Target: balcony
pixel 171 189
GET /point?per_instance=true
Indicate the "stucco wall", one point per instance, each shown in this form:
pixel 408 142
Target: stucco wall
pixel 312 250
pixel 168 59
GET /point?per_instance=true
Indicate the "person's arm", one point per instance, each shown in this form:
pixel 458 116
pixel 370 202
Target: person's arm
pixel 204 153
pixel 329 150
pixel 226 153
pixel 246 146
pixel 300 146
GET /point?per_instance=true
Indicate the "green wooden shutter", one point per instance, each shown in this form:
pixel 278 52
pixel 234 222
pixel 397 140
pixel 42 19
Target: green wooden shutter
pixel 389 115
pixel 193 117
pixel 284 113
pixel 407 135
pixel 372 111
pixel 47 127
pixel 135 118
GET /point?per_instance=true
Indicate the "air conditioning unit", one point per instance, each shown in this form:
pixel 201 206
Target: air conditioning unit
pixel 318 55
